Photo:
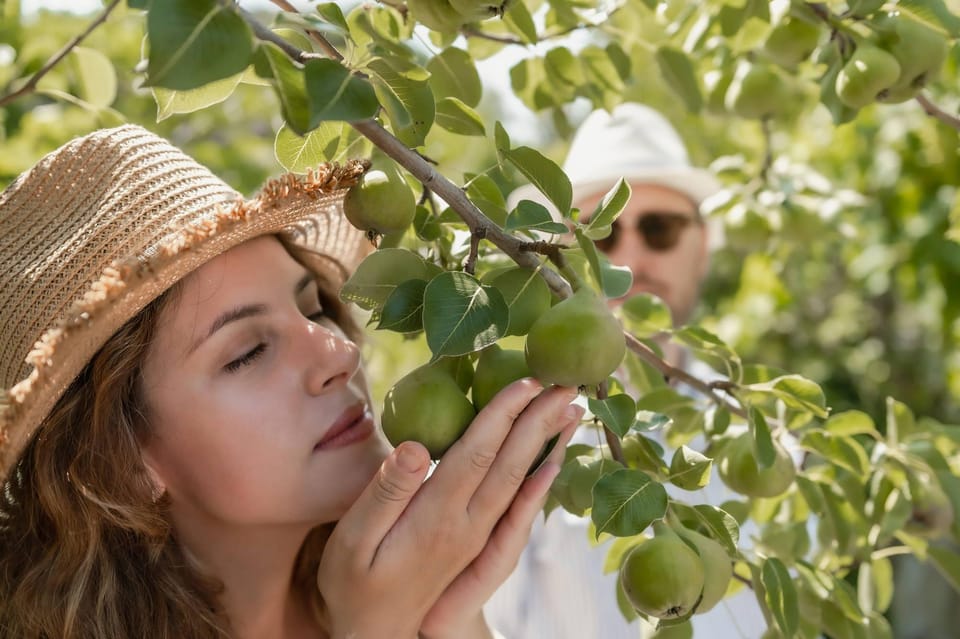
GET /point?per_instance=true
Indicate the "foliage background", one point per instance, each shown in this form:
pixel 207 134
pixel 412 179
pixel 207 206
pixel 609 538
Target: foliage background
pixel 840 266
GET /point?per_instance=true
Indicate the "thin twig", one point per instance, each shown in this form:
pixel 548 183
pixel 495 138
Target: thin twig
pixel 59 55
pixel 767 149
pixel 315 35
pixel 938 113
pixel 471 264
pixel 613 441
pixel 265 34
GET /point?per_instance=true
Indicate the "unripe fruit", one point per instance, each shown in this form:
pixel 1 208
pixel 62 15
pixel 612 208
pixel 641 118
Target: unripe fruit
pixel 757 91
pixel 791 41
pixel 919 50
pixel 869 71
pixel 717 568
pixel 380 203
pixel 427 406
pixel 438 15
pixel 663 576
pixel 578 342
pixel 496 367
pixel 527 294
pixel 739 470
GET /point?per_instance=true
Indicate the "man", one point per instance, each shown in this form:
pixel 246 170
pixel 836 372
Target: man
pixel 558 590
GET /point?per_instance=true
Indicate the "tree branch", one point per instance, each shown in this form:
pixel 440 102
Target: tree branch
pixel 59 55
pixel 938 113
pixel 315 35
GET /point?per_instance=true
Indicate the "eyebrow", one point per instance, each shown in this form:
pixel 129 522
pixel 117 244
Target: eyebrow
pixel 245 311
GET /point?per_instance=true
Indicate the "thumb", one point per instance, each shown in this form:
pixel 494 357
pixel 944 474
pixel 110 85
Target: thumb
pixel 379 506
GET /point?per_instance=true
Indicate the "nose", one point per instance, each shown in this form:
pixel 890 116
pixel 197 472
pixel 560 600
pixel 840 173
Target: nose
pixel 332 359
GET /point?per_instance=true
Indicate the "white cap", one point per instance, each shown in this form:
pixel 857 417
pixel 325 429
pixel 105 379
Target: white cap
pixel 634 142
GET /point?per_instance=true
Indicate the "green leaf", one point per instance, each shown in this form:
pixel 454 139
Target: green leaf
pixel 934 13
pixel 780 595
pixel 329 142
pixel 98 79
pixel 677 70
pixel 690 469
pixel 680 408
pixel 900 421
pixel 519 21
pixel 461 316
pixel 795 391
pixel 193 42
pixel 850 422
pixel 331 13
pixel 485 193
pixel 542 172
pixel 844 451
pixel 408 101
pixel 646 315
pixel 710 349
pixel 289 82
pixel 609 209
pixel 614 281
pixel 626 501
pixel 762 442
pixel 875 584
pixel 561 64
pixel 170 102
pixel 617 412
pixel 403 309
pixel 381 272
pixel 533 216
pixel 947 563
pixel 456 117
pixel 453 74
pixel 501 138
pixel 337 94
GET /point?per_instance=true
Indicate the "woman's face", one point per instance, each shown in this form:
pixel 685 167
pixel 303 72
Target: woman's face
pixel 258 410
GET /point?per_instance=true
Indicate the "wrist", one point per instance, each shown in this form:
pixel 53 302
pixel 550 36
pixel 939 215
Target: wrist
pixel 476 628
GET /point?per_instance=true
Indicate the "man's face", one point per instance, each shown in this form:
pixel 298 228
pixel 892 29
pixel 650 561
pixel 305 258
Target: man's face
pixel 663 241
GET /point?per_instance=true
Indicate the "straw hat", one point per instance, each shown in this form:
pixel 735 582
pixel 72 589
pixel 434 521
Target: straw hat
pixel 634 142
pixel 103 225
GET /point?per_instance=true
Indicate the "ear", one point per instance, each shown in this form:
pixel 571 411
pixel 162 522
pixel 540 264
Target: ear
pixel 159 486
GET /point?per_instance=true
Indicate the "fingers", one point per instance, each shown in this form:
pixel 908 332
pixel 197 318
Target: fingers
pixel 384 499
pixel 546 416
pixel 470 459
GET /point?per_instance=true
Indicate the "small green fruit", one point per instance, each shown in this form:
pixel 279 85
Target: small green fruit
pixel 717 568
pixel 757 91
pixel 738 469
pixel 380 203
pixel 428 406
pixel 578 342
pixel 496 367
pixel 663 576
pixel 792 41
pixel 526 293
pixel 919 50
pixel 868 72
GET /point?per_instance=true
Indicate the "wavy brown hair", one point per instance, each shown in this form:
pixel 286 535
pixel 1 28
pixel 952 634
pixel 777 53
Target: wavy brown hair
pixel 87 551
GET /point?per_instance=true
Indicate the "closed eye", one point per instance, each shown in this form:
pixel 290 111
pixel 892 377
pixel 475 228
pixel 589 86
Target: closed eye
pixel 246 359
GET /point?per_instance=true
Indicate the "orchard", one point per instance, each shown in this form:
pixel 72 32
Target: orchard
pixel 832 311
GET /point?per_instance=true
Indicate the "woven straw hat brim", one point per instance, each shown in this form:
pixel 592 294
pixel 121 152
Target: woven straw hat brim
pixel 104 225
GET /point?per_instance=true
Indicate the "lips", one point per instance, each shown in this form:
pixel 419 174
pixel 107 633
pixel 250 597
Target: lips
pixel 354 424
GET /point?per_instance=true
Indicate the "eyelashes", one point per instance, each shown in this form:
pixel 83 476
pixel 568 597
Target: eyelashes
pixel 254 353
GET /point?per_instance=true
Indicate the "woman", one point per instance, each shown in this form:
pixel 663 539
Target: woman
pixel 186 443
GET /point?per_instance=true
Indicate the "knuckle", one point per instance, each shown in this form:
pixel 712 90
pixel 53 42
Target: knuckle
pixel 389 490
pixel 515 474
pixel 482 460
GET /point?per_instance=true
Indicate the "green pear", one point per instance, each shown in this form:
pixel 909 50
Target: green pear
pixel 717 568
pixel 496 367
pixel 438 15
pixel 757 91
pixel 739 470
pixel 663 577
pixel 527 295
pixel 428 406
pixel 868 72
pixel 791 41
pixel 920 51
pixel 380 203
pixel 578 342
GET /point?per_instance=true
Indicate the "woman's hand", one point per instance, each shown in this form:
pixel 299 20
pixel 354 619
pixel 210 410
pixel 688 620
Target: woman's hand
pixel 411 554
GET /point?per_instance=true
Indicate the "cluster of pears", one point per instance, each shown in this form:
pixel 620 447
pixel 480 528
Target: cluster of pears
pixel 894 65
pixel 676 574
pixel 576 342
pixel 447 16
pixel 380 203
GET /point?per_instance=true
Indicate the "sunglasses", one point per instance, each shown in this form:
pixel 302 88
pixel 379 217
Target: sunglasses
pixel 660 231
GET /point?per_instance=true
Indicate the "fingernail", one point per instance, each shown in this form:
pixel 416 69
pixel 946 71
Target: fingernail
pixel 408 460
pixel 573 413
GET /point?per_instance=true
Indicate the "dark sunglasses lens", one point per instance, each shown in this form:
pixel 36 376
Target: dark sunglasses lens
pixel 661 232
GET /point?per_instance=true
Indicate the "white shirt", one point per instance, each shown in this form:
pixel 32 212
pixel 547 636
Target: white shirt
pixel 558 589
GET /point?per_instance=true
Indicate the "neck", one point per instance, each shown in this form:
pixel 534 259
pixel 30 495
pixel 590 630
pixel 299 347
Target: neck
pixel 256 567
